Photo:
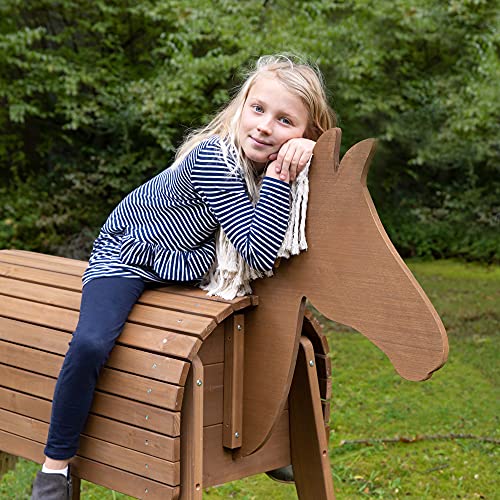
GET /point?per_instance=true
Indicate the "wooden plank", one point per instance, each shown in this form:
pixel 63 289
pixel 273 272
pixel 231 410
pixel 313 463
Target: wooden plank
pixel 121 409
pixel 236 304
pixel 39 261
pixel 163 297
pixel 309 447
pixel 109 477
pixel 40 293
pixel 34 275
pixel 138 336
pixel 159 298
pixel 233 381
pixel 95 449
pixel 222 465
pixel 40 314
pixel 213 394
pixel 212 350
pixel 138 414
pixel 200 326
pixel 112 381
pixel 151 443
pixel 192 435
pixel 60 316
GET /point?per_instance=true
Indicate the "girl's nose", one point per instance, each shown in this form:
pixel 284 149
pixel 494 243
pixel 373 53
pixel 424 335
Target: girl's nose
pixel 264 126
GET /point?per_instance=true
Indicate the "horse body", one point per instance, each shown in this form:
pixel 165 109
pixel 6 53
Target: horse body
pixel 352 274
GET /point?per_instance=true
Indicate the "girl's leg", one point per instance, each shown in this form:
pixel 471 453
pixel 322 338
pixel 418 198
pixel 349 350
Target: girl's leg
pixel 105 306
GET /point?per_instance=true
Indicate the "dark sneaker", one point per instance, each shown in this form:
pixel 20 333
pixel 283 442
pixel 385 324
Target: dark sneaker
pixel 52 487
pixel 282 475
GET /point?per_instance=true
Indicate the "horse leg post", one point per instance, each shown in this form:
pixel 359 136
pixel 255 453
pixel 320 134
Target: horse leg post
pixel 76 482
pixel 308 443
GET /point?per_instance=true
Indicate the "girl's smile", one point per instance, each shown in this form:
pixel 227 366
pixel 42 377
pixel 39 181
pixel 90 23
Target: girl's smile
pixel 271 116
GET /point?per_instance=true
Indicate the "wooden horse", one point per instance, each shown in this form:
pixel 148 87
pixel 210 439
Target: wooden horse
pixel 173 411
pixel 353 275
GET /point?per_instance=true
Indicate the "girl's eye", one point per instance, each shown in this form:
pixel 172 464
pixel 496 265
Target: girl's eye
pixel 285 120
pixel 258 108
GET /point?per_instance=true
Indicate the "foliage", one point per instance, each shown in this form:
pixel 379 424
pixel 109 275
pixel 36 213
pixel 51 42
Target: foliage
pixel 371 401
pixel 97 95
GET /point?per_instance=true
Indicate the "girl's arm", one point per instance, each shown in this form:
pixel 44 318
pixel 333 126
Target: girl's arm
pixel 256 232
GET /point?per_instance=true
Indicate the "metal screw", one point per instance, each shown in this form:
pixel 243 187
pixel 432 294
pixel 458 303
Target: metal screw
pixel 146 442
pixel 154 365
pixel 236 435
pixel 146 490
pixel 147 466
pixel 311 363
pixel 164 341
pixel 179 321
pixel 149 391
pixel 239 327
pixel 147 417
pixel 199 382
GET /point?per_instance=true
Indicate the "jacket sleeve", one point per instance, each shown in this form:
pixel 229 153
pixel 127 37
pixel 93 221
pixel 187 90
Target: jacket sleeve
pixel 257 232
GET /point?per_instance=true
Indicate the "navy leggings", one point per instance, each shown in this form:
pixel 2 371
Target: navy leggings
pixel 105 306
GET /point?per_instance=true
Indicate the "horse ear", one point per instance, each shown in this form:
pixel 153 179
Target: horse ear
pixel 328 147
pixel 356 162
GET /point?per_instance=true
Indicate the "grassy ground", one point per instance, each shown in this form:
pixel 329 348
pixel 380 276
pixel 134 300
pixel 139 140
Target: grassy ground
pixel 370 401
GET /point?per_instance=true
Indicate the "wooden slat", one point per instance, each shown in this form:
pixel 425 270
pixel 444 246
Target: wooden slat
pixel 39 261
pixel 112 381
pixel 309 447
pixel 163 297
pixel 117 456
pixel 192 435
pixel 159 298
pixel 109 477
pixel 34 275
pixel 61 301
pixel 213 394
pixel 138 336
pixel 212 350
pixel 98 427
pixel 233 381
pixel 138 414
pixel 125 410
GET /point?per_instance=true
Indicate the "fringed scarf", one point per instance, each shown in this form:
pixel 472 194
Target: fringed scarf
pixel 230 275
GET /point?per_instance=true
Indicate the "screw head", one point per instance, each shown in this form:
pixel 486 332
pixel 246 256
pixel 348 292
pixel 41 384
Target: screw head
pixel 149 391
pixel 199 382
pixel 164 341
pixel 239 327
pixel 311 363
pixel 236 435
pixel 154 365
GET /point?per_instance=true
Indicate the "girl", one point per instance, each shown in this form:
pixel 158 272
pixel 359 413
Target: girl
pixel 164 231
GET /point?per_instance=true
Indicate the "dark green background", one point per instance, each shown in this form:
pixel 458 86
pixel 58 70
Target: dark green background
pixel 96 95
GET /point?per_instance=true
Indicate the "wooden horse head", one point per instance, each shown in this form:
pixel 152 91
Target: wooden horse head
pixel 352 274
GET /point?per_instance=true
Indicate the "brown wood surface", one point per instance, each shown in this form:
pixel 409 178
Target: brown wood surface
pixel 233 381
pixel 145 441
pixel 352 274
pixel 221 465
pixel 124 410
pixel 309 446
pixel 109 477
pixel 118 456
pixel 137 336
pixel 192 434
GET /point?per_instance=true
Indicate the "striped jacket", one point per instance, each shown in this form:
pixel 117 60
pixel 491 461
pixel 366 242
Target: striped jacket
pixel 164 230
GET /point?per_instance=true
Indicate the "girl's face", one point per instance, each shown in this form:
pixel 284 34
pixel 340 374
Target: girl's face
pixel 271 116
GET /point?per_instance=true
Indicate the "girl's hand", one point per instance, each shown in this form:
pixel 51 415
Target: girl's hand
pixel 271 171
pixel 292 157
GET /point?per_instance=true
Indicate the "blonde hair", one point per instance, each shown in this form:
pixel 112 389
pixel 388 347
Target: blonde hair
pixel 299 77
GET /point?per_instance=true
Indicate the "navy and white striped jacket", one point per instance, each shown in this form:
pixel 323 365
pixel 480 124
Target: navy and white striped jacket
pixel 164 230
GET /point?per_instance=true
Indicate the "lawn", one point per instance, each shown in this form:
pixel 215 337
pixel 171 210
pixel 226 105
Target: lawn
pixel 371 403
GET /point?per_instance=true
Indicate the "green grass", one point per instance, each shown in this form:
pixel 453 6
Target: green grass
pixel 370 401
